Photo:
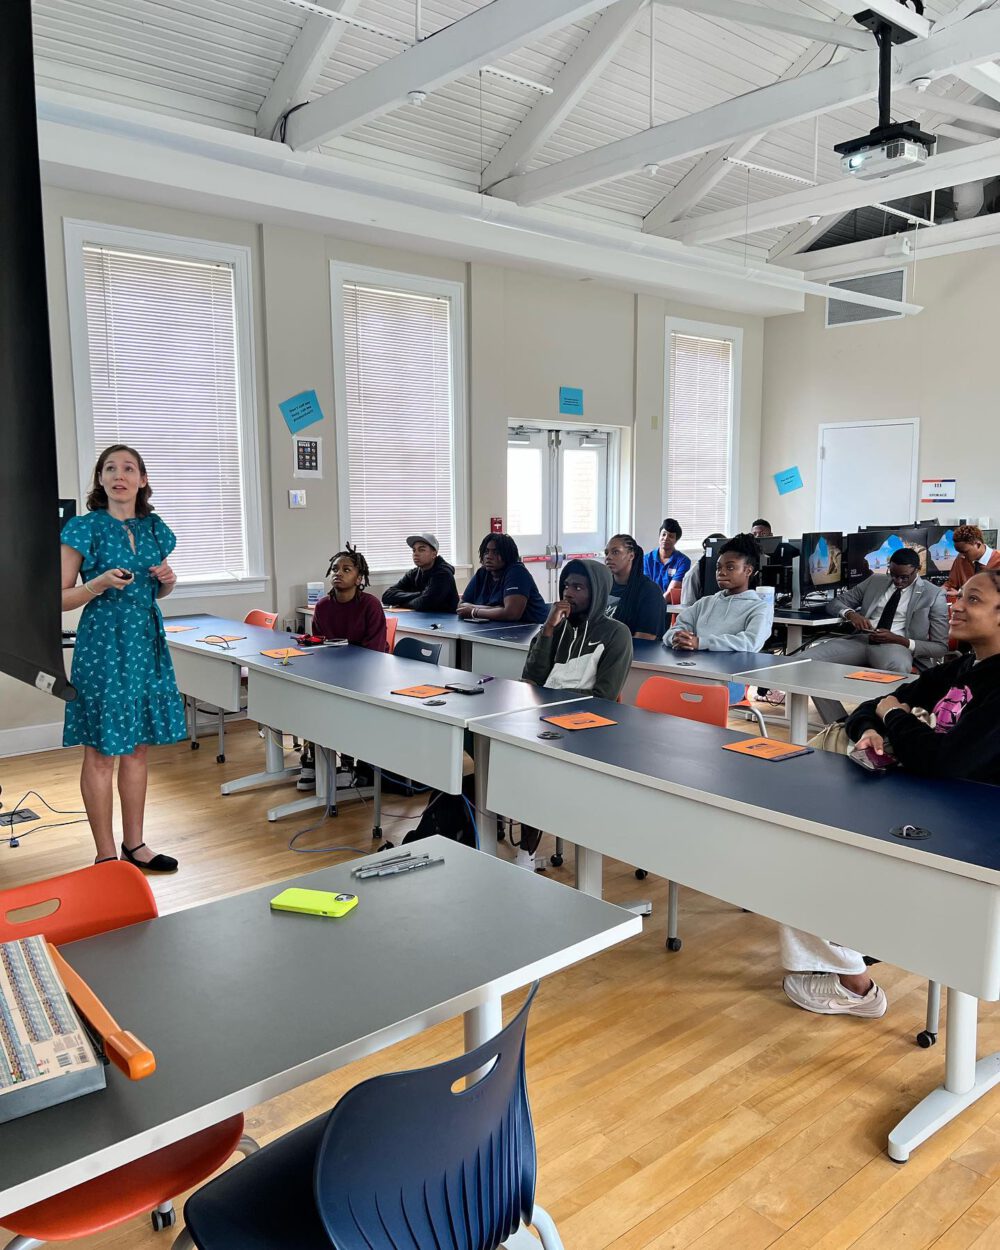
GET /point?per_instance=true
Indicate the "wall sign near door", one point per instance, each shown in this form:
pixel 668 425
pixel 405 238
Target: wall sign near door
pixel 301 410
pixel 571 401
pixel 937 490
pixel 788 480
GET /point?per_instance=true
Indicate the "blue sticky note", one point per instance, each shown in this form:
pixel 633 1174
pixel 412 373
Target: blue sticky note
pixel 301 410
pixel 571 401
pixel 788 480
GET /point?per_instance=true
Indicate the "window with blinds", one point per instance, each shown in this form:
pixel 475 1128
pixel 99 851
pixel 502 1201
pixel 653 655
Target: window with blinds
pixel 699 440
pixel 163 345
pixel 402 458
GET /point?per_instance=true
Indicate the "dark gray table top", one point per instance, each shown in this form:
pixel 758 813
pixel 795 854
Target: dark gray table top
pixel 239 1003
pixel 447 625
pixel 818 789
pixel 658 658
pixel 368 675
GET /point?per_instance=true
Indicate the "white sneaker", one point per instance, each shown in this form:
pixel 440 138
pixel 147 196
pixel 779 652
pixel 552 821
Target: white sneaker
pixel 823 993
pixel 526 859
pixel 307 778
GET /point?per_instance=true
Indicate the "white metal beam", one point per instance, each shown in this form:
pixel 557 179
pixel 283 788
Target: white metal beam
pixel 779 19
pixel 893 11
pixel 985 79
pixel 589 60
pixel 853 80
pixel 712 167
pixel 302 67
pixel 946 170
pixel 801 237
pixel 926 102
pixel 960 134
pixel 870 255
pixel 461 48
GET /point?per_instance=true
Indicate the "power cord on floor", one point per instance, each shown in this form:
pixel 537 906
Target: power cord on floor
pixel 16 839
pixel 331 790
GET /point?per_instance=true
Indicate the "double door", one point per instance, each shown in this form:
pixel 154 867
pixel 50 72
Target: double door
pixel 558 498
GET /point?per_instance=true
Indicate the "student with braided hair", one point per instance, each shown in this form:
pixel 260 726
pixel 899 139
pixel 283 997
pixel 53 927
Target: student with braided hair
pixel 348 611
pixel 635 599
pixel 735 619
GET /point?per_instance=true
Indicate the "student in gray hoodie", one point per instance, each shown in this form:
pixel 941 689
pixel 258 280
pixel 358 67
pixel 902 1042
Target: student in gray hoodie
pixel 578 647
pixel 735 619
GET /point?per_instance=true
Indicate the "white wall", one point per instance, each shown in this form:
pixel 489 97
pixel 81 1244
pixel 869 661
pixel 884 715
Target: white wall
pixel 527 334
pixel 939 366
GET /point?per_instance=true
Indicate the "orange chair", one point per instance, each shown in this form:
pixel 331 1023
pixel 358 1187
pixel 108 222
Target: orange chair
pixel 706 703
pixel 257 616
pixel 390 631
pixel 90 901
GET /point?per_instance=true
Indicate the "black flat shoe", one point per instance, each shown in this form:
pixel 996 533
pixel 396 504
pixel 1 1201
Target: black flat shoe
pixel 159 863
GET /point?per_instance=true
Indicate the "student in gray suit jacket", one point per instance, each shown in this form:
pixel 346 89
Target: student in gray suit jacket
pixel 900 622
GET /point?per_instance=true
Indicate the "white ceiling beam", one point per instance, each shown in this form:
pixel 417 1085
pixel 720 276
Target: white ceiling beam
pixel 946 170
pixel 926 102
pixel 985 79
pixel 583 67
pixel 778 19
pixel 960 134
pixel 853 80
pixel 871 255
pixel 712 167
pixel 461 48
pixel 893 11
pixel 801 237
pixel 300 72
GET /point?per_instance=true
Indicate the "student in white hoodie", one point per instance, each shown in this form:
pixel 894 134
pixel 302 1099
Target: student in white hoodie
pixel 735 619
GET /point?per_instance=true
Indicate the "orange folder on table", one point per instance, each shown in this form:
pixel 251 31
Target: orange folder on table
pixel 864 674
pixel 767 749
pixel 177 629
pixel 215 639
pixel 283 653
pixel 579 720
pixel 420 692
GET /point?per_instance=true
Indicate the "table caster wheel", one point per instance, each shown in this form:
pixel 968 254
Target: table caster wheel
pixel 195 746
pixel 641 874
pixel 162 1219
pixel 674 944
pixel 220 759
pixel 926 1039
pixel 556 861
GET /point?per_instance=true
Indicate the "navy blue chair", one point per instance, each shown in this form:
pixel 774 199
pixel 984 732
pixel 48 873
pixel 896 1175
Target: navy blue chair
pixel 406 1161
pixel 410 648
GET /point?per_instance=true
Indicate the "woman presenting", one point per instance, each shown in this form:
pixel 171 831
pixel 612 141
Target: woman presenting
pixel 126 696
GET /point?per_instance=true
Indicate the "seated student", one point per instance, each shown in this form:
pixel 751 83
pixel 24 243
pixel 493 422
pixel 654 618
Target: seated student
pixel 735 619
pixel 347 612
pixel 973 557
pixel 666 565
pixel 578 648
pixel 761 528
pixel 694 580
pixel 430 585
pixel 944 724
pixel 899 620
pixel 635 599
pixel 502 589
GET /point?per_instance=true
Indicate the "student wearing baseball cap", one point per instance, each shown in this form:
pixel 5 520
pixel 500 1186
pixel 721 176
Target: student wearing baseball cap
pixel 430 584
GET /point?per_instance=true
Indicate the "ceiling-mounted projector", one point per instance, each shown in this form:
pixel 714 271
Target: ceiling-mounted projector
pixel 892 146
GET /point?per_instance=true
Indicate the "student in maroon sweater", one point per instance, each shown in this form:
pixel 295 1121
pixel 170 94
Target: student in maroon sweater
pixel 346 612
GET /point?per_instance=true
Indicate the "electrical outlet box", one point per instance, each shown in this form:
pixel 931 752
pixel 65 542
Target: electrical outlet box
pixel 296 499
pixel 7 819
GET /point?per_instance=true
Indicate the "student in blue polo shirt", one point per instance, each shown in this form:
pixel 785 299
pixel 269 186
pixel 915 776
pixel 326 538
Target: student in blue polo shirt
pixel 502 589
pixel 666 565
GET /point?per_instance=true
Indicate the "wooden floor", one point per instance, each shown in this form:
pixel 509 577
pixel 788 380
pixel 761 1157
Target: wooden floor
pixel 679 1099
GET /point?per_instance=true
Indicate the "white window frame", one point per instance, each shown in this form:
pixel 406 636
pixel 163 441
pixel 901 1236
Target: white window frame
pixel 341 273
pixel 77 234
pixel 708 330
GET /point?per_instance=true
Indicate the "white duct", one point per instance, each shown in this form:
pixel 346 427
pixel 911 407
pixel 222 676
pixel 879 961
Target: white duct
pixel 969 199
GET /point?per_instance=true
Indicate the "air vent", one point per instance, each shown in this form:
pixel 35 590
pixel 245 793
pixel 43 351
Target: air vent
pixel 890 285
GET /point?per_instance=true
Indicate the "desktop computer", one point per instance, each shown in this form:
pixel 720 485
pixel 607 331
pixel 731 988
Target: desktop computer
pixel 821 563
pixel 941 551
pixel 870 550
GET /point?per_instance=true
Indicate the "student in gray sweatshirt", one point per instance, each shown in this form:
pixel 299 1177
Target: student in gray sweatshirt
pixel 578 647
pixel 735 619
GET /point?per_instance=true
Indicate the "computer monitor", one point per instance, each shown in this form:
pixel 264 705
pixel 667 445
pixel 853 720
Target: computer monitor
pixel 769 546
pixel 870 550
pixel 709 583
pixel 821 563
pixel 67 509
pixel 941 552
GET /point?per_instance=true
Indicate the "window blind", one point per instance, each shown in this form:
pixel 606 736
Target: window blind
pixel 400 435
pixel 700 422
pixel 162 342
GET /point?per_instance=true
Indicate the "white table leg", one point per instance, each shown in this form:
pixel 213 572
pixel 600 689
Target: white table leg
pixel 799 716
pixel 965 1080
pixel 274 768
pixel 486 821
pixel 589 871
pixel 794 638
pixel 324 768
pixel 482 1023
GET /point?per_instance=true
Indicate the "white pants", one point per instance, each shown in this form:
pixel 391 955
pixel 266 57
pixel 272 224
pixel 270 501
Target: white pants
pixel 801 952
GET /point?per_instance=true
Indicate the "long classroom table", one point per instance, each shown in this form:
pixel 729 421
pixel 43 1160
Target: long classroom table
pixel 240 1004
pixel 808 842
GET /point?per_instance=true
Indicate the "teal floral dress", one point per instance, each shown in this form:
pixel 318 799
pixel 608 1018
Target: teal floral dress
pixel 126 694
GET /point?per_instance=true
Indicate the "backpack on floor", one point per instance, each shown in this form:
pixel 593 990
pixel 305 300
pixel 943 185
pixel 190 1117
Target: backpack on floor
pixel 448 815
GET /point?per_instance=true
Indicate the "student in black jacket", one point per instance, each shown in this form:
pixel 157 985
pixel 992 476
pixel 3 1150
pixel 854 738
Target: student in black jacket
pixel 430 584
pixel 944 724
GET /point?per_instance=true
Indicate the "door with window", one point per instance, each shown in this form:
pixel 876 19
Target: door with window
pixel 558 497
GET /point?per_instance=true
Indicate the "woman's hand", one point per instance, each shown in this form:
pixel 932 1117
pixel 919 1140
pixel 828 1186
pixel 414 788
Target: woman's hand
pixel 165 575
pixel 684 640
pixel 886 705
pixel 873 739
pixel 464 610
pixel 110 579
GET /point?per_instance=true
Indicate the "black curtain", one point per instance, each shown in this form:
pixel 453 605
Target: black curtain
pixel 30 580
